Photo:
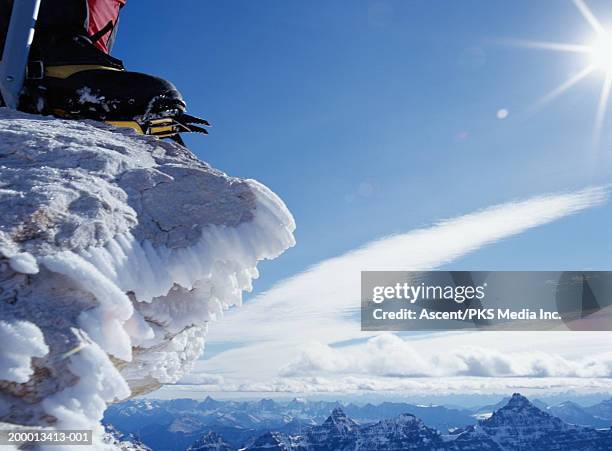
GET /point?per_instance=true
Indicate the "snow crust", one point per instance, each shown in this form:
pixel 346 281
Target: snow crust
pixel 116 250
pixel 21 340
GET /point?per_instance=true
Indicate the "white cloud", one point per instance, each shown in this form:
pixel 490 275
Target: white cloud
pixel 388 355
pixel 320 304
pixel 197 378
pixel 384 355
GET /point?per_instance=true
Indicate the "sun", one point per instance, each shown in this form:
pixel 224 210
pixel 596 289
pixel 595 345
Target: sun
pixel 599 53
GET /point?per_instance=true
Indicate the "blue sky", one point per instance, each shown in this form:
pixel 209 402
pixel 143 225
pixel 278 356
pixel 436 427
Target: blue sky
pixel 372 118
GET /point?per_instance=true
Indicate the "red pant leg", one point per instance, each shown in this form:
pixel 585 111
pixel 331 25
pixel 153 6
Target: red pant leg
pixel 101 12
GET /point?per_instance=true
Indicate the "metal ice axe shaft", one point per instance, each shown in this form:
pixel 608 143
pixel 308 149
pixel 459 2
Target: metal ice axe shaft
pixel 16 50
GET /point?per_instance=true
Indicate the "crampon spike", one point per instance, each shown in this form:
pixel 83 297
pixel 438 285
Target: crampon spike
pixel 189 119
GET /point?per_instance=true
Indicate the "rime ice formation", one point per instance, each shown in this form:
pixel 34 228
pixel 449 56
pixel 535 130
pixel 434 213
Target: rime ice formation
pixel 115 252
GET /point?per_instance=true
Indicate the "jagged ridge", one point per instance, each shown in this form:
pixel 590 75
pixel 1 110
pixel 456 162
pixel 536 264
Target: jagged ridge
pixel 519 425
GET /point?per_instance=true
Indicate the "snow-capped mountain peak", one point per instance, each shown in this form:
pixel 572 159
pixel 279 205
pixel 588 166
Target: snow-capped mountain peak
pixel 338 421
pixel 520 416
pixel 210 442
pixel 407 418
pixel 518 401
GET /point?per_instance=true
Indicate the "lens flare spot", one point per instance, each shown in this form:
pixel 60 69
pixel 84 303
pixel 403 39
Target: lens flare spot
pixel 502 113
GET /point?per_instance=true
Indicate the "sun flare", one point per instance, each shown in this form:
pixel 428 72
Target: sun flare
pixel 599 53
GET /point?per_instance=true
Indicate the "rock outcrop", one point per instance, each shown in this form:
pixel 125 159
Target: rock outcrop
pixel 116 250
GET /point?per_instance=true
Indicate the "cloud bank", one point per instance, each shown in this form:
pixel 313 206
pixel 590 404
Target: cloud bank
pixel 388 355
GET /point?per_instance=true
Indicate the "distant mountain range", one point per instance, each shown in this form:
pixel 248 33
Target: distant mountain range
pixel 176 424
pixel 518 425
pixel 598 416
pixel 300 425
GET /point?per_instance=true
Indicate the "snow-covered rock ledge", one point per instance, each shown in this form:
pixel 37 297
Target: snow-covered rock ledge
pixel 115 252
